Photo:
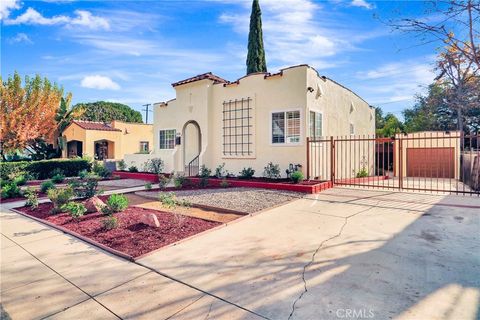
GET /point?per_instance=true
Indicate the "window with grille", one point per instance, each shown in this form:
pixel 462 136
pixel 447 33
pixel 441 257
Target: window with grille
pixel 286 127
pixel 167 139
pixel 237 128
pixel 315 124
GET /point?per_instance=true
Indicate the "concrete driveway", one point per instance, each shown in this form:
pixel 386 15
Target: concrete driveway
pixel 341 254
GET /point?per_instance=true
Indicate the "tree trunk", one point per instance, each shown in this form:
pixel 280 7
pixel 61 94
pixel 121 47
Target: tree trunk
pixel 460 120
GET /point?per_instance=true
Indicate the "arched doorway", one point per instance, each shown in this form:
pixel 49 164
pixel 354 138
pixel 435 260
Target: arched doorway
pixel 104 149
pixel 192 145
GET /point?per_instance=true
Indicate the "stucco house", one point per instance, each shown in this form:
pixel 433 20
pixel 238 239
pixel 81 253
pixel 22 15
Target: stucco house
pixel 259 118
pixel 106 140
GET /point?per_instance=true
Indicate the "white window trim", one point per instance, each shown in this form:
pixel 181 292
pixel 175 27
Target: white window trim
pixel 323 121
pixel 285 144
pixel 174 139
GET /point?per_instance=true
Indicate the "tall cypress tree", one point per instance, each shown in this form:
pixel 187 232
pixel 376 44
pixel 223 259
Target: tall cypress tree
pixel 256 52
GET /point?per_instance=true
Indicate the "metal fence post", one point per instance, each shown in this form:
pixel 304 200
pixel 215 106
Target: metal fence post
pixel 332 160
pixel 308 158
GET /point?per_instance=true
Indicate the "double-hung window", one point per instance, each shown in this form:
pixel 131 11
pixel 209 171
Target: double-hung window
pixel 286 127
pixel 167 139
pixel 315 124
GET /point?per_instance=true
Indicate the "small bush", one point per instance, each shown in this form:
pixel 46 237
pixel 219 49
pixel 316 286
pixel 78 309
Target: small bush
pixel 148 186
pixel 204 175
pixel 32 198
pixel 115 203
pixel 83 174
pixel 110 222
pixel 133 169
pixel 168 200
pixel 47 185
pixel 362 173
pixel 56 171
pixel 297 176
pixel 271 171
pixel 100 170
pixel 224 183
pixel 246 173
pixel 121 165
pixel 163 181
pixel 20 180
pixel 179 180
pixel 58 178
pixel 154 165
pixel 10 190
pixel 59 197
pixel 220 171
pixel 75 209
pixel 87 187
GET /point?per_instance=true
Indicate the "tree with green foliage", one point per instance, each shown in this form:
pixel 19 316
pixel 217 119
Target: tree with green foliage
pixel 103 111
pixel 388 125
pixel 256 52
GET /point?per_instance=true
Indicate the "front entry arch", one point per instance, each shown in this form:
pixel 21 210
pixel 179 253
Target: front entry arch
pixel 192 145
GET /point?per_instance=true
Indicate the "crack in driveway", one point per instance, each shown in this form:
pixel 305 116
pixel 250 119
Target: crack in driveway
pixel 312 260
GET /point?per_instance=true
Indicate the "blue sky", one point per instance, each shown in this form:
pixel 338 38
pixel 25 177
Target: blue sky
pixel 131 51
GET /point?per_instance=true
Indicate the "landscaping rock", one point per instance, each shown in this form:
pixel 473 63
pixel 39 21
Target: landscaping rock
pixel 150 220
pixel 94 204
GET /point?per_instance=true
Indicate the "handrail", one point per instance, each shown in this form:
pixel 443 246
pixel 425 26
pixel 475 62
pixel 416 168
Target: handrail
pixel 190 166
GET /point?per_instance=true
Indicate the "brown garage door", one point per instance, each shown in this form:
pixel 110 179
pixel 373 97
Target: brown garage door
pixel 430 162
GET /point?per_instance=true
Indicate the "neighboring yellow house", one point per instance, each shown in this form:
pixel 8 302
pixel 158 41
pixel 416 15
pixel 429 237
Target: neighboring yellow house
pixel 107 140
pixel 254 120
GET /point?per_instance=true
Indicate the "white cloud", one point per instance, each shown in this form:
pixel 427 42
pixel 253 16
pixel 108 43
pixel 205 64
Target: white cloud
pixel 21 37
pixel 6 6
pixel 362 4
pixel 82 18
pixel 99 82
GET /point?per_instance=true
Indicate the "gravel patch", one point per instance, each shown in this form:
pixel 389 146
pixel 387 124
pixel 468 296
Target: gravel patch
pixel 247 200
pixel 122 183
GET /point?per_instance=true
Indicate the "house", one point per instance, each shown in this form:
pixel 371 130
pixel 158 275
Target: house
pixel 257 119
pixel 106 140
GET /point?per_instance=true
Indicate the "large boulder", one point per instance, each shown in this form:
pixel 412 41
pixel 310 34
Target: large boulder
pixel 94 204
pixel 150 219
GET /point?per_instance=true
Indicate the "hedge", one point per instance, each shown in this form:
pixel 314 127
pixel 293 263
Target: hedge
pixel 43 168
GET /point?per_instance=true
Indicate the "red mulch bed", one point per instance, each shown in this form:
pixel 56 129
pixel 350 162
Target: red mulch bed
pixel 39 195
pixel 130 237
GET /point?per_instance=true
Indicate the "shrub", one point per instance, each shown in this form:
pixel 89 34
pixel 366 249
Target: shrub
pixel 362 173
pixel 220 171
pixel 271 171
pixel 47 185
pixel 154 165
pixel 297 176
pixel 148 186
pixel 42 169
pixel 87 187
pixel 20 180
pixel 110 222
pixel 179 180
pixel 224 183
pixel 75 209
pixel 246 173
pixel 83 174
pixel 133 169
pixel 163 181
pixel 58 178
pixel 121 165
pixel 32 198
pixel 100 170
pixel 115 203
pixel 168 200
pixel 10 190
pixel 55 172
pixel 59 197
pixel 204 175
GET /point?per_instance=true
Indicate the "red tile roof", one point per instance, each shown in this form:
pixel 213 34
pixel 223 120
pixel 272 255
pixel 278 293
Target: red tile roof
pixel 90 125
pixel 208 75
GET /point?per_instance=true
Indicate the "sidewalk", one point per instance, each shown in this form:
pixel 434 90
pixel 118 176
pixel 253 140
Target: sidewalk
pixel 48 274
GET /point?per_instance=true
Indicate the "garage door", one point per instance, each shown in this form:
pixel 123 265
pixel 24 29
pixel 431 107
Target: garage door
pixel 430 162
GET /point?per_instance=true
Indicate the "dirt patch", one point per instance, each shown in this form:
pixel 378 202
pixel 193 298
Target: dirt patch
pixel 130 237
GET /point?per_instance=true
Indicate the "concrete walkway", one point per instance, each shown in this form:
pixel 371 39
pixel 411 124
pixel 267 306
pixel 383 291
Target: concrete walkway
pixel 390 255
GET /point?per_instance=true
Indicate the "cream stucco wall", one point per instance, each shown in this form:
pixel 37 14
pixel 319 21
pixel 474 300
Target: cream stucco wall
pixel 202 101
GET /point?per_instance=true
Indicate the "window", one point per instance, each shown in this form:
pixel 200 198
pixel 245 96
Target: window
pixel 315 124
pixel 286 127
pixel 237 128
pixel 352 129
pixel 167 139
pixel 144 147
